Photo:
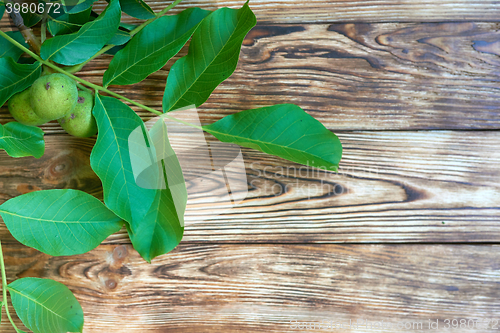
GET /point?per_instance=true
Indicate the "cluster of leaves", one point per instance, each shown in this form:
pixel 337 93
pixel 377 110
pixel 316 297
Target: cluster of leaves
pixel 71 222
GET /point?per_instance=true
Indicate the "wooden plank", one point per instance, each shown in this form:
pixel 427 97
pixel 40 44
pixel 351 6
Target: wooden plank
pixel 431 186
pixel 314 11
pixel 353 76
pixel 341 11
pixel 261 288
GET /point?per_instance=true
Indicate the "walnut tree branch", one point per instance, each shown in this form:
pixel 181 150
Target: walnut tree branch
pixel 28 34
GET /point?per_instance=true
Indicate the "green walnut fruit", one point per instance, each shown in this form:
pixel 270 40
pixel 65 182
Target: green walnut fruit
pixel 80 122
pixel 53 96
pixel 20 109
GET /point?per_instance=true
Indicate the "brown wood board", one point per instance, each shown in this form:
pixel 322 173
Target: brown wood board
pixel 412 90
pixel 315 11
pixel 352 76
pixel 335 11
pixel 261 288
pixel 429 186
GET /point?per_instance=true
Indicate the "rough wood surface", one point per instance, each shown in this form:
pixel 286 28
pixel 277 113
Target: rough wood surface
pixel 292 11
pixel 353 76
pixel 261 288
pixel 334 11
pixel 375 72
pixel 431 186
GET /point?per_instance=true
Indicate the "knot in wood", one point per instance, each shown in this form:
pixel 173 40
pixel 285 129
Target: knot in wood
pixel 61 167
pixel 111 284
pixel 120 253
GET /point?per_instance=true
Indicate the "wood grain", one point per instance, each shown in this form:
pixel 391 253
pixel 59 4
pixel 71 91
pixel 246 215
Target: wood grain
pixel 336 11
pixel 353 76
pixel 411 88
pixel 314 11
pixel 261 288
pixel 431 186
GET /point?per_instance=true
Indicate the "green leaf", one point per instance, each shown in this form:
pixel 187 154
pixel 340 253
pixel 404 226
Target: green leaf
pixel 120 38
pixel 212 58
pixel 137 8
pixel 2 9
pixel 26 60
pixel 16 77
pixel 166 214
pixel 155 214
pixel 7 49
pixel 115 49
pixel 283 130
pixel 77 47
pixel 19 140
pixel 110 160
pixel 128 26
pixel 76 6
pixel 71 3
pixel 59 222
pixel 60 24
pixel 30 19
pixel 153 46
pixel 45 305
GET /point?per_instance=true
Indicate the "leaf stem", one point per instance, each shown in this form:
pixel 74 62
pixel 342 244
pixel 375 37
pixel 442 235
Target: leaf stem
pixel 4 290
pixel 132 33
pixel 92 85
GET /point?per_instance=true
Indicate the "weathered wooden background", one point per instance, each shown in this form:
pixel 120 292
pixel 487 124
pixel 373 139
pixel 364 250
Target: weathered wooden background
pixel 407 232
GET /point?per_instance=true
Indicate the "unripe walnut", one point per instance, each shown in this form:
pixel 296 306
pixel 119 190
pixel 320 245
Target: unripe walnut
pixel 53 96
pixel 80 122
pixel 20 109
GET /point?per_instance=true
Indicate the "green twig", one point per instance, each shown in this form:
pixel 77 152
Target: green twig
pixel 91 85
pixel 4 290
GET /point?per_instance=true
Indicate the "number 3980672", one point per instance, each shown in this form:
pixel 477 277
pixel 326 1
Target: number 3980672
pixel 33 8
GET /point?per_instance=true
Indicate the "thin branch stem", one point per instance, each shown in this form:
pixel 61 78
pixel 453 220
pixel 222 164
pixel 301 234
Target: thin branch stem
pixel 4 290
pixel 92 85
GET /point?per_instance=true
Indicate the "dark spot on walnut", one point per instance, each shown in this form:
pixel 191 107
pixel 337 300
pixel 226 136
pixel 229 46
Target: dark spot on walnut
pixel 72 116
pixel 81 99
pixel 47 86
